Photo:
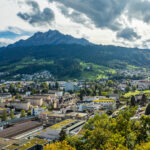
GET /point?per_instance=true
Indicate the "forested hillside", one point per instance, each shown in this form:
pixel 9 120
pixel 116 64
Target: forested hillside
pixel 71 61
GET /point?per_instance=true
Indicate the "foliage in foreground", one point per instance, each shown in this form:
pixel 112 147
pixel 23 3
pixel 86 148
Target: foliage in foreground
pixel 58 146
pixel 105 133
pixel 120 133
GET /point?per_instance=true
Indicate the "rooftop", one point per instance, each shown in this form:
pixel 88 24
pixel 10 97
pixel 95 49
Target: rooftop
pixel 5 142
pixel 18 129
pixel 33 98
pixel 62 124
pixel 19 102
pixel 74 114
pixel 28 144
pixel 56 115
pixel 104 100
pixel 46 112
pixel 32 142
pixel 1 108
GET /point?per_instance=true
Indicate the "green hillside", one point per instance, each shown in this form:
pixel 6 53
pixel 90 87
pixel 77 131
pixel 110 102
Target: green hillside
pixel 72 61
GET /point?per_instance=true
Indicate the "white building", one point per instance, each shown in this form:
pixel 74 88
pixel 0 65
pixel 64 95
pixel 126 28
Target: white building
pixel 71 86
pixel 5 97
pixel 36 111
pixel 20 105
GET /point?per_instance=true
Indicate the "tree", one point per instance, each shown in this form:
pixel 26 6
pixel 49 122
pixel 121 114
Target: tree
pixel 116 91
pixel 19 85
pixel 143 100
pixel 58 146
pixel 62 135
pixel 127 89
pixel 29 113
pixel 57 85
pixel 44 85
pixel 115 142
pixel 82 93
pixel 99 92
pixel 110 83
pixel 34 91
pixel 103 132
pixel 18 96
pixel 109 112
pixel 45 90
pixel 131 140
pixel 76 142
pixel 23 113
pixel 143 146
pixel 12 89
pixel 12 114
pixel 144 128
pixel 132 101
pixel 133 88
pixel 4 115
pixel 147 111
pixel 50 108
pixel 49 86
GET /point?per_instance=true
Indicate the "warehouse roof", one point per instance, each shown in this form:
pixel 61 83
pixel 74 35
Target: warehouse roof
pixel 18 129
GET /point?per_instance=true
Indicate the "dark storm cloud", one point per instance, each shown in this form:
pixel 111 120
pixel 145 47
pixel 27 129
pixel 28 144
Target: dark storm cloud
pixel 139 9
pixel 103 13
pixel 74 15
pixel 106 13
pixel 36 16
pixel 128 34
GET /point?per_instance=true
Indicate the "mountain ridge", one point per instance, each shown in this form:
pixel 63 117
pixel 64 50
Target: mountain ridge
pixel 51 37
pixel 67 57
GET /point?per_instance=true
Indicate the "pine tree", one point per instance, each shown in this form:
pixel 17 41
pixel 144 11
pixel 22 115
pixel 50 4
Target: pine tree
pixel 143 100
pixel 147 111
pixel 62 135
pixel 132 101
pixel 57 85
pixel 4 115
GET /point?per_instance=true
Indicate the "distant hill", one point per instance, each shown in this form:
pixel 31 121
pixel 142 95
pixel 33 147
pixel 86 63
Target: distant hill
pixel 67 57
pixel 52 37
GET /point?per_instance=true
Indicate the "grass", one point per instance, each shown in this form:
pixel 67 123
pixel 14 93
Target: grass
pixel 129 94
pixel 92 71
pixel 61 124
pixel 27 145
pixel 89 71
pixel 131 67
pixel 25 62
pixel 31 143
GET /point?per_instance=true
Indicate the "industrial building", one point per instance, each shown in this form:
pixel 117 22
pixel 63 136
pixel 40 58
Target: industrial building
pixel 21 130
pixel 32 144
pixel 71 127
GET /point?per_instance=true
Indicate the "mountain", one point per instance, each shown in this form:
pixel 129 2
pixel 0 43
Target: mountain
pixel 68 58
pixel 52 37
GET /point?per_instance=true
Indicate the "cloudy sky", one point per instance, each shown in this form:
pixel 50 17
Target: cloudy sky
pixel 108 22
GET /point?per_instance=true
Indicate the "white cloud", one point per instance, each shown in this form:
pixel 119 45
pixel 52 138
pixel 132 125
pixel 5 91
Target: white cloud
pixel 9 18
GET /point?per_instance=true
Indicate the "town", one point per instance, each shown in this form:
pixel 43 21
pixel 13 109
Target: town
pixel 33 114
pixel 74 75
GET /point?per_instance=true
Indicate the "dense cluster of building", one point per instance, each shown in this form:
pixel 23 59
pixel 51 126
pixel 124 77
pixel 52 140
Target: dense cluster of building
pixel 33 118
pixel 49 114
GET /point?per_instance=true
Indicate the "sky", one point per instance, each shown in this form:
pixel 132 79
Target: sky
pixel 108 22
